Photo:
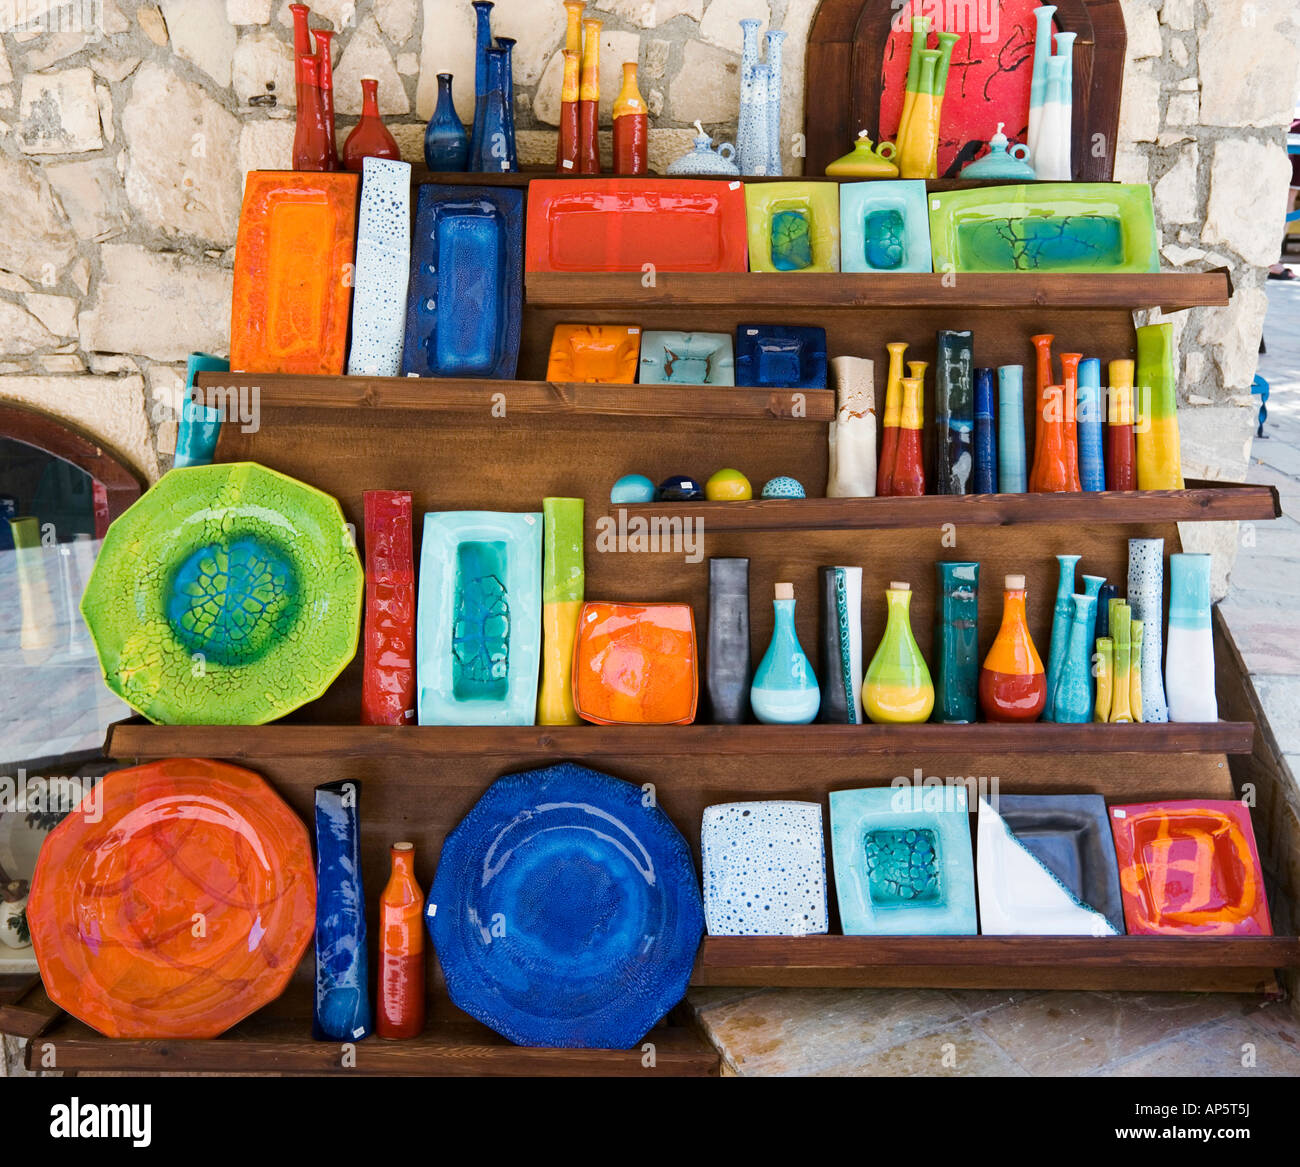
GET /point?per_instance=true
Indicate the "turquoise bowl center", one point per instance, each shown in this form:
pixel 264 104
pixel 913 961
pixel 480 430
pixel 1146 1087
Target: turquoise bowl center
pixel 232 601
pixel 902 867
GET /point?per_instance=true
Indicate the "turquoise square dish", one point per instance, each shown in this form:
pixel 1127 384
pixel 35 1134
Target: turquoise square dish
pixel 479 620
pixel 903 862
pixel 687 358
pixel 884 227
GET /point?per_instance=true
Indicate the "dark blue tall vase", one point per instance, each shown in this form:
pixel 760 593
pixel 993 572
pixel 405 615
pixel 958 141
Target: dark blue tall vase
pixel 342 1008
pixel 446 145
pixel 986 433
pixel 507 45
pixel 483 42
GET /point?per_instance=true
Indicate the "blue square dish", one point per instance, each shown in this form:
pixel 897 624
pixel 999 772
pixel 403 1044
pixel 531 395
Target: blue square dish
pixel 780 356
pixel 479 620
pixel 464 314
pixel 903 862
pixel 687 358
pixel 884 227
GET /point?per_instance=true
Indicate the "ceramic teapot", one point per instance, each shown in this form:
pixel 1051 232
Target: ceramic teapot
pixel 864 162
pixel 705 160
pixel 1000 162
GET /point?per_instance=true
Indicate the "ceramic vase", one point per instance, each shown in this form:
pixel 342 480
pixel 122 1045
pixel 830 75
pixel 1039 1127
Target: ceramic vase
pixel 399 1001
pixel 729 668
pixel 199 426
pixel 1121 633
pixel 752 138
pixel 986 433
pixel 1121 454
pixel 388 677
pixel 1104 665
pixel 446 145
pixel 325 78
pixel 511 160
pixel 785 689
pixel 1189 671
pixel 1055 467
pixel 564 583
pixel 1108 593
pixel 1092 585
pixel 1070 363
pixel 947 42
pixel 775 81
pixel 853 471
pixel 1038 86
pixel 908 477
pixel 920 36
pixel 567 153
pixel 76 562
pixel 1136 629
pixel 1146 593
pixel 898 688
pixel 482 43
pixel 311 143
pixel 841 645
pixel 589 100
pixel 918 150
pixel 893 417
pixel 1062 615
pixel 1054 160
pixel 1159 457
pixel 631 126
pixel 955 413
pixel 1073 701
pixel 498 153
pixel 956 647
pixel 1013 686
pixel 1092 461
pixel 302 44
pixel 1013 477
pixel 342 1006
pixel 383 269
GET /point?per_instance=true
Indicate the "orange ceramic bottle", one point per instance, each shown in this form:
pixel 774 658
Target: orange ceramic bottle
pixel 400 1011
pixel 1070 376
pixel 893 415
pixel 631 126
pixel 566 160
pixel 589 100
pixel 1013 685
pixel 909 469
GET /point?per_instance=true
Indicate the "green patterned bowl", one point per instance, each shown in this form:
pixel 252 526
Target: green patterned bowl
pixel 227 595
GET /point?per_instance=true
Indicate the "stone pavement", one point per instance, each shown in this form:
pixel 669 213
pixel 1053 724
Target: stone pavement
pixel 906 1032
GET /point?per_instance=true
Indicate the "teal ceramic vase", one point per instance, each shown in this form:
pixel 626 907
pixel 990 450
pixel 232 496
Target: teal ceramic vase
pixel 1061 619
pixel 200 425
pixel 785 689
pixel 956 649
pixel 1013 472
pixel 1189 669
pixel 1074 696
pixel 1092 585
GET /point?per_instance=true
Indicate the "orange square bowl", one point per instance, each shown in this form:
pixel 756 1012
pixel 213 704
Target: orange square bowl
pixel 636 664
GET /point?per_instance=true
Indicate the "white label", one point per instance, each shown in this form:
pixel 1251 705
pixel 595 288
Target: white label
pixel 734 186
pixel 431 910
pixel 359 1032
pixel 568 164
pixel 1120 814
pixel 935 204
pixel 751 332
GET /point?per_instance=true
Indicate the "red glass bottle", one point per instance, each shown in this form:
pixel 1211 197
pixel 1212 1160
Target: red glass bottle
pixel 1121 455
pixel 301 39
pixel 893 415
pixel 369 137
pixel 589 100
pixel 325 73
pixel 388 679
pixel 909 465
pixel 631 127
pixel 566 158
pixel 1013 685
pixel 1070 375
pixel 311 146
pixel 400 1007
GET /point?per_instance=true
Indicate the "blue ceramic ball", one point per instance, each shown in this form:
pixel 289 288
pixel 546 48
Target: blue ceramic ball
pixel 680 488
pixel 784 488
pixel 632 488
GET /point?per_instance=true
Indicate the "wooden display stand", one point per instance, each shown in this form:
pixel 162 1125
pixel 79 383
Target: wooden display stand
pixel 503 446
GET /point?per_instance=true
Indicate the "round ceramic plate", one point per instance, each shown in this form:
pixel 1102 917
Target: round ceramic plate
pixel 176 900
pixel 227 595
pixel 566 912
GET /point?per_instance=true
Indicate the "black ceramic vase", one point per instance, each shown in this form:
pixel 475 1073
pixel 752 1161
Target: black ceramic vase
pixel 840 636
pixel 729 671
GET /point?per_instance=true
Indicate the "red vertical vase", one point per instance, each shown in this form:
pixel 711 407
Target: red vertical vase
pixel 1070 374
pixel 566 158
pixel 399 1011
pixel 388 681
pixel 311 143
pixel 1121 455
pixel 369 137
pixel 301 39
pixel 325 71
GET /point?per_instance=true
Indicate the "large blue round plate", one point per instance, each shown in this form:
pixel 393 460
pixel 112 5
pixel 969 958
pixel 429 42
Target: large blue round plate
pixel 565 912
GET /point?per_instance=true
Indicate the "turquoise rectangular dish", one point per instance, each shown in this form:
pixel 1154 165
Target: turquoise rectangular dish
pixel 884 227
pixel 1049 227
pixel 479 619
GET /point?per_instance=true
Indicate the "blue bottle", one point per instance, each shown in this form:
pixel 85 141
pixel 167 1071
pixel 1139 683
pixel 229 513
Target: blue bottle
pixel 1106 593
pixel 1074 697
pixel 986 438
pixel 507 45
pixel 1013 476
pixel 785 689
pixel 1092 459
pixel 342 1006
pixel 482 43
pixel 1061 621
pixel 200 426
pixel 497 121
pixel 446 145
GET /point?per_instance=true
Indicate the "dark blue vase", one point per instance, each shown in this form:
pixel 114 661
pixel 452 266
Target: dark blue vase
pixel 506 45
pixel 446 145
pixel 342 1008
pixel 498 131
pixel 483 43
pixel 986 434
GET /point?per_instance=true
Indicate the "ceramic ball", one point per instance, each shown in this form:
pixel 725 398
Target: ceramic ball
pixel 632 488
pixel 680 488
pixel 728 486
pixel 784 488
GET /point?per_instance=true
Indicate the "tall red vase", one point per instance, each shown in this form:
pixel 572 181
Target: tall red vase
pixel 301 39
pixel 325 70
pixel 399 1009
pixel 311 144
pixel 369 137
pixel 388 679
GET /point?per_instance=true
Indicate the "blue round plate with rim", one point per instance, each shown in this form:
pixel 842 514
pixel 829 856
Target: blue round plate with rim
pixel 565 912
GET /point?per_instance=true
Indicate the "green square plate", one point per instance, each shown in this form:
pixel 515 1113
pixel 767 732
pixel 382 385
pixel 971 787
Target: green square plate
pixel 793 226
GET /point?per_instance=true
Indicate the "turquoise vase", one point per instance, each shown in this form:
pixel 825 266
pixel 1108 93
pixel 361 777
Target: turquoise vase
pixel 199 426
pixel 1061 620
pixel 1092 585
pixel 1013 474
pixel 785 689
pixel 446 145
pixel 957 644
pixel 1074 697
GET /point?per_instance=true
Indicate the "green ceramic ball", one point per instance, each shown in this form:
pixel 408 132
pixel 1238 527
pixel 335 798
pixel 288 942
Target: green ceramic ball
pixel 728 486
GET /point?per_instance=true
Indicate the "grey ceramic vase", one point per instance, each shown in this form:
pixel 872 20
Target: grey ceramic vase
pixel 1146 596
pixel 728 670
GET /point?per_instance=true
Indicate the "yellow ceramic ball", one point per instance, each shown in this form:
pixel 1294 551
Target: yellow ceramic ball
pixel 728 486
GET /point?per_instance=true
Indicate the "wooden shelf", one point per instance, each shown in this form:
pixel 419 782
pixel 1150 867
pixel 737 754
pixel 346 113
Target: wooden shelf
pixel 134 739
pixel 795 292
pixel 1201 502
pixel 524 178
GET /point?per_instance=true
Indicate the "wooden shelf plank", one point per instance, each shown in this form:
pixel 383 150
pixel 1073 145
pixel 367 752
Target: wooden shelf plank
pixel 25 1008
pixel 479 397
pixel 1200 502
pixel 524 178
pixel 279 1046
pixel 1172 291
pixel 133 739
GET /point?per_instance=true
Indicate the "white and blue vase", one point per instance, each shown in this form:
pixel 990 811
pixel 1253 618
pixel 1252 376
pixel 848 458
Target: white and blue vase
pixel 383 269
pixel 1190 670
pixel 774 82
pixel 752 138
pixel 785 689
pixel 1146 594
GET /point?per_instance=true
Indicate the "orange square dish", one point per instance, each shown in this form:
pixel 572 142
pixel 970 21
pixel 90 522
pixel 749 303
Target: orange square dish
pixel 595 354
pixel 636 664
pixel 293 273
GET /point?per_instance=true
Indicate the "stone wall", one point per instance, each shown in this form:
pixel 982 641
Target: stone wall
pixel 127 129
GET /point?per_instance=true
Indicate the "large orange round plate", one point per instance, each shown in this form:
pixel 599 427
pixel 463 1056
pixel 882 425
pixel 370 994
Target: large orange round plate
pixel 177 899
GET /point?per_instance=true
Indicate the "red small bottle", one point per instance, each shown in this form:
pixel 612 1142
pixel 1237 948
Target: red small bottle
pixel 369 137
pixel 400 1007
pixel 325 74
pixel 311 145
pixel 631 127
pixel 909 466
pixel 1121 454
pixel 1013 685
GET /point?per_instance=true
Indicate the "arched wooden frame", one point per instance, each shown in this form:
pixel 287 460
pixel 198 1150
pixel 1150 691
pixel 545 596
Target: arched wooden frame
pixel 33 428
pixel 846 49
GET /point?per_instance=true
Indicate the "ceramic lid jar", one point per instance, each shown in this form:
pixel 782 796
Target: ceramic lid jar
pixel 705 160
pixel 1000 162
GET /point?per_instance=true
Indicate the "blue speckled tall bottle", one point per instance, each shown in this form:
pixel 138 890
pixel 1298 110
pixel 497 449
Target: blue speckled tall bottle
pixel 785 689
pixel 775 80
pixel 342 1006
pixel 752 138
pixel 446 145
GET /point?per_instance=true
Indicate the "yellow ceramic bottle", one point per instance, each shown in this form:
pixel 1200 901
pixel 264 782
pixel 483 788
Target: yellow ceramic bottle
pixel 898 689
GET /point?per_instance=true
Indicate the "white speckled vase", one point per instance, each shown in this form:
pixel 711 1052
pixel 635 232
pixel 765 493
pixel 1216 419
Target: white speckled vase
pixel 383 269
pixel 1146 596
pixel 853 432
pixel 775 80
pixel 752 139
